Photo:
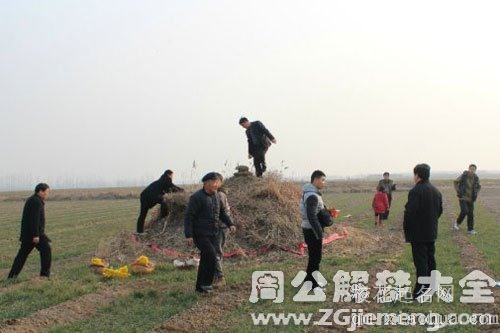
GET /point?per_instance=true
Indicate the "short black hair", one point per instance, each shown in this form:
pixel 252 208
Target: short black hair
pixel 423 171
pixel 42 187
pixel 386 173
pixel 473 165
pixel 243 120
pixel 381 188
pixel 317 174
pixel 169 172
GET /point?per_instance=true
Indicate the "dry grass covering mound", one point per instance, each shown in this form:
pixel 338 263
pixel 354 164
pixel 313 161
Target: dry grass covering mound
pixel 265 210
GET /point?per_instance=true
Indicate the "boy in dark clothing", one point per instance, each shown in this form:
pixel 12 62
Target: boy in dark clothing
pixel 33 233
pixel 422 211
pixel 203 213
pixel 153 194
pixel 259 140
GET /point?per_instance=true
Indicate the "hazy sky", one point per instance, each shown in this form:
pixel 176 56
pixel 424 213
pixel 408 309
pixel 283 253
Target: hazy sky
pixel 125 89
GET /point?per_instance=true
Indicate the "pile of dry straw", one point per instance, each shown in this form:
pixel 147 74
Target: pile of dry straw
pixel 266 211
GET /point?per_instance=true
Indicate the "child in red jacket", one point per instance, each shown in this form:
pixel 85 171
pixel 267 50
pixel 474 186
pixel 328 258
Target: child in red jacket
pixel 380 205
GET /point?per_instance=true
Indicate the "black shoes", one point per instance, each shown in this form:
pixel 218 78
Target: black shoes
pixel 204 289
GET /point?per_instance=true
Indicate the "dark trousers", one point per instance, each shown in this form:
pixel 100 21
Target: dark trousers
pixel 219 250
pixel 208 257
pixel 146 204
pixel 26 247
pixel 423 258
pixel 259 161
pixel 466 209
pixel 386 214
pixel 314 249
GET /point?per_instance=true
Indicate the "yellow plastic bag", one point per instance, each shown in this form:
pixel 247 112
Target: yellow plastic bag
pixel 97 262
pixel 142 261
pixel 121 272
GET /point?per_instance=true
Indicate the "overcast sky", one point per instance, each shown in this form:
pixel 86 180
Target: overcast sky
pixel 125 89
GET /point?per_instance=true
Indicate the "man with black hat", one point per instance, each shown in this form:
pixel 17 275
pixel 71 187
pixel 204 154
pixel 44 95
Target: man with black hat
pixel 259 141
pixel 33 233
pixel 203 213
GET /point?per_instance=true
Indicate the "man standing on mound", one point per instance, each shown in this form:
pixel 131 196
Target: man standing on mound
pixel 203 213
pixel 259 141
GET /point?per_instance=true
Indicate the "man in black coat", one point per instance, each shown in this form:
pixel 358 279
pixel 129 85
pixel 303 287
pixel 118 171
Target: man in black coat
pixel 389 187
pixel 33 233
pixel 153 194
pixel 259 140
pixel 467 186
pixel 203 213
pixel 422 211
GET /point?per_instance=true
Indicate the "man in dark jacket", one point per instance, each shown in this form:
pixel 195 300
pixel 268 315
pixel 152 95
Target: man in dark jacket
pixel 422 211
pixel 310 205
pixel 259 140
pixel 388 186
pixel 203 213
pixel 467 187
pixel 33 233
pixel 153 194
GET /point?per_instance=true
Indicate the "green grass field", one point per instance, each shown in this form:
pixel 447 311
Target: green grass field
pixel 80 301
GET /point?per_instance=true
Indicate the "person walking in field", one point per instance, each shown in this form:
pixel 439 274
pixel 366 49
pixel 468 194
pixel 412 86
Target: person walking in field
pixel 259 140
pixel 310 205
pixel 380 205
pixel 153 194
pixel 203 213
pixel 389 187
pixel 467 187
pixel 420 224
pixel 33 233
